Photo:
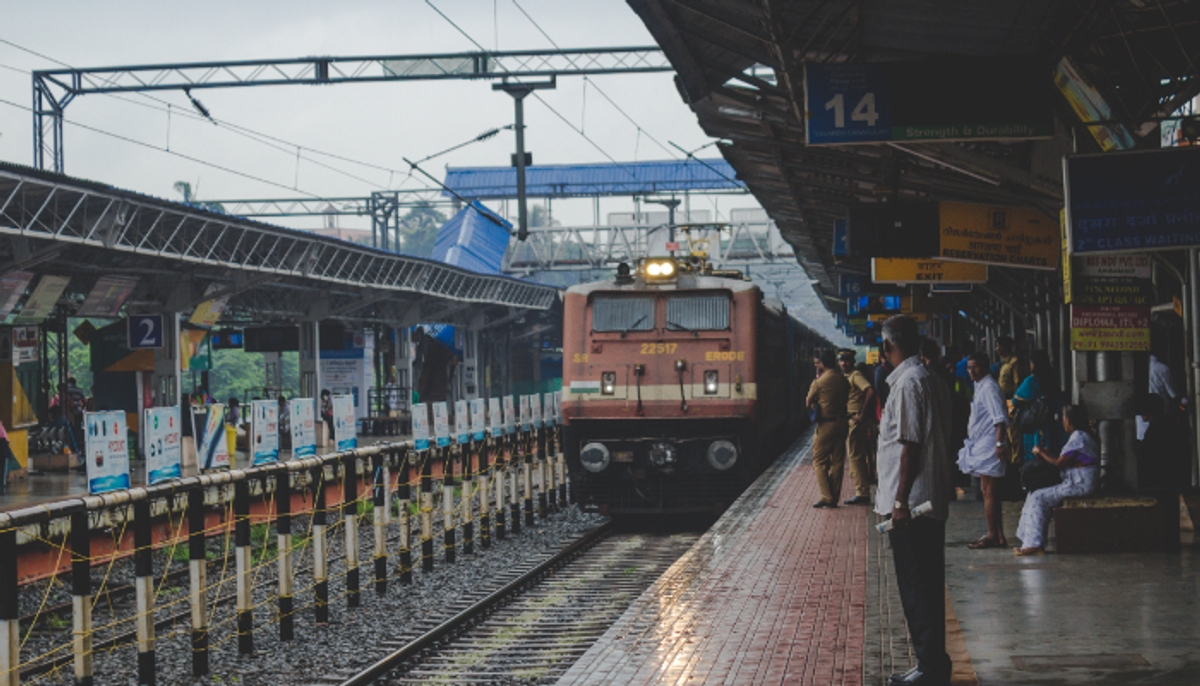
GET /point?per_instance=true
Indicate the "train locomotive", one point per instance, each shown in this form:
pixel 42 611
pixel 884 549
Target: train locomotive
pixel 680 383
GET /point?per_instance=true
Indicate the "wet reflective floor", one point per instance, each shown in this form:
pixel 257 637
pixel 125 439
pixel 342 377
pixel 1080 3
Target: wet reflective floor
pixel 1073 619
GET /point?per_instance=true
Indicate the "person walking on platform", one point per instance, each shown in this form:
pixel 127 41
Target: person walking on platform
pixel 858 439
pixel 914 468
pixel 828 397
pixel 985 453
pixel 1009 378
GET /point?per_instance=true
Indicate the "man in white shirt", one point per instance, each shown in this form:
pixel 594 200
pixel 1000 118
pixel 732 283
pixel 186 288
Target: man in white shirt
pixel 1162 384
pixel 914 468
pixel 985 451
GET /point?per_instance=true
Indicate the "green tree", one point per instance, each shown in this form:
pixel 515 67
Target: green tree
pixel 189 196
pixel 419 229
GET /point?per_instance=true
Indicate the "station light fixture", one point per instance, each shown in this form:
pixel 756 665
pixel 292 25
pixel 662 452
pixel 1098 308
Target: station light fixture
pixel 710 382
pixel 608 383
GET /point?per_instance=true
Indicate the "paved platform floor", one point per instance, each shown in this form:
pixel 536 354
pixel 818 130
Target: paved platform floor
pixel 1062 620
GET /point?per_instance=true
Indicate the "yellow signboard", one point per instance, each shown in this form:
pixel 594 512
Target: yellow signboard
pixel 1009 236
pixel 1114 329
pixel 906 270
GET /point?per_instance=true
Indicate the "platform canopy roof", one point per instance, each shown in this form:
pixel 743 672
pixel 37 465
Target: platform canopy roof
pixel 740 63
pixel 580 180
pixel 173 256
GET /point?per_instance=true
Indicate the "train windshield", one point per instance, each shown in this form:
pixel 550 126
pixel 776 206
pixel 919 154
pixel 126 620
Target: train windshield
pixel 706 312
pixel 622 313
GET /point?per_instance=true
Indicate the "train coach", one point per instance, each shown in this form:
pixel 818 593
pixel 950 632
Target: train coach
pixel 680 384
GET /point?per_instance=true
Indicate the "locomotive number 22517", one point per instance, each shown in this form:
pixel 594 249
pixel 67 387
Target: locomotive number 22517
pixel 659 348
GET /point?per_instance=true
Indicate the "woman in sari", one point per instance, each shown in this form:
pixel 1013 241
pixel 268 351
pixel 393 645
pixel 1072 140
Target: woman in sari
pixel 1080 465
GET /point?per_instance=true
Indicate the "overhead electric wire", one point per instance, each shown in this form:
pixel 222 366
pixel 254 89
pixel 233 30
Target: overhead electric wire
pixel 257 136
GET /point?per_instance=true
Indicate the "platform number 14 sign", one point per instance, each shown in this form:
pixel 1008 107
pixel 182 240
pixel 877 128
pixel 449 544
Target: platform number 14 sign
pixel 846 103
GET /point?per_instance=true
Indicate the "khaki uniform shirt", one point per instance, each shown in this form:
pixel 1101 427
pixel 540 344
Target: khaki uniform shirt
pixel 1010 376
pixel 831 392
pixel 858 392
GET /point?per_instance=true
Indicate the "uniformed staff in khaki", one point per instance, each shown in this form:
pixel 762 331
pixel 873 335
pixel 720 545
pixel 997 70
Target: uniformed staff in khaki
pixel 829 393
pixel 858 440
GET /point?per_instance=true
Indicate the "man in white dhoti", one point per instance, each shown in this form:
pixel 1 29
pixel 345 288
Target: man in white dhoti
pixel 985 452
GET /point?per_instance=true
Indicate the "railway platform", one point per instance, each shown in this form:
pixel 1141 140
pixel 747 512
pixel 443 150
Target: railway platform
pixel 780 593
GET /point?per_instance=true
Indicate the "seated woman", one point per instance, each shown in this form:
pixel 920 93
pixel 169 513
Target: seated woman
pixel 1080 465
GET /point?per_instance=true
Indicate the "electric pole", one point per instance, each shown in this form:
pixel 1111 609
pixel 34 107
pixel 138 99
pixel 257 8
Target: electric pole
pixel 521 159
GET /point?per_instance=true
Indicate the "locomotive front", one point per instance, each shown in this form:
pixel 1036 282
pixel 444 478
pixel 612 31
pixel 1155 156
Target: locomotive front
pixel 659 387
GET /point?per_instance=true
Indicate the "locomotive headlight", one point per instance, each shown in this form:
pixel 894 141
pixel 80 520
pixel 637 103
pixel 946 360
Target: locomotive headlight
pixel 608 383
pixel 595 457
pixel 659 269
pixel 710 382
pixel 722 454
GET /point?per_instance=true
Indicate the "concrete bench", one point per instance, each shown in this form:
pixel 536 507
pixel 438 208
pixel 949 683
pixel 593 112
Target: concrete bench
pixel 1122 524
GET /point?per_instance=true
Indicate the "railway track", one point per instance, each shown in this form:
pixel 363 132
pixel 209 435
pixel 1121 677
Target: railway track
pixel 535 625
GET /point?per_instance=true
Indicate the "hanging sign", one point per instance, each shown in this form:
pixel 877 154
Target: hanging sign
pixel 478 419
pixel 525 419
pixel 558 406
pixel 345 431
pixel 1110 329
pixel 145 331
pixel 510 420
pixel 902 270
pixel 264 431
pixel 495 419
pixel 107 296
pixel 12 287
pixel 43 299
pixel 420 426
pixel 1133 201
pixel 548 412
pixel 535 411
pixel 462 422
pixel 1008 236
pixel 208 428
pixel 164 452
pixel 303 426
pixel 107 451
pixel 441 424
pixel 850 285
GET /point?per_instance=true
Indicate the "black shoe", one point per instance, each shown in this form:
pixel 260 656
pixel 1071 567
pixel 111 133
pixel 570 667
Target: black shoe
pixel 915 677
pixel 822 503
pixel 858 500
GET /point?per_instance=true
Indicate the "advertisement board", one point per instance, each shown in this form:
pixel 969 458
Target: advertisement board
pixel 208 428
pixel 164 451
pixel 478 419
pixel 303 425
pixel 420 426
pixel 264 431
pixel 1133 201
pixel 441 424
pixel 994 234
pixel 903 270
pixel 510 411
pixel 462 422
pixel 1110 329
pixel 535 411
pixel 524 417
pixel 345 428
pixel 548 410
pixel 106 451
pixel 495 419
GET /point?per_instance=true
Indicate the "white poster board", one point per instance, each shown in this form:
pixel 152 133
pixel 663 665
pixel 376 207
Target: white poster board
pixel 208 428
pixel 441 424
pixel 548 414
pixel 478 419
pixel 462 422
pixel 558 406
pixel 510 415
pixel 107 451
pixel 420 426
pixel 495 419
pixel 264 431
pixel 303 427
pixel 535 410
pixel 523 405
pixel 164 453
pixel 345 429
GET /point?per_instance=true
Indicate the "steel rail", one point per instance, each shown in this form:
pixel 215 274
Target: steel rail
pixel 458 621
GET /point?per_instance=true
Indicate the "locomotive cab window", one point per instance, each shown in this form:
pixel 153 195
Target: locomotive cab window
pixel 706 312
pixel 622 313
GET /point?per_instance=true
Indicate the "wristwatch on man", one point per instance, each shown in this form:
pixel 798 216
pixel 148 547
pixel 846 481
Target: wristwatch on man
pixel 999 444
pixel 899 505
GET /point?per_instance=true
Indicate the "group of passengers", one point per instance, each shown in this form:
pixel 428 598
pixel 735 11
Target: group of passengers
pixel 1010 424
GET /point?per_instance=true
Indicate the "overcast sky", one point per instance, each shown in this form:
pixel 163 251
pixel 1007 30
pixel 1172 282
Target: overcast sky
pixel 377 123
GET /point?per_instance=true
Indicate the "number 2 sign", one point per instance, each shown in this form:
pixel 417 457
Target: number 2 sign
pixel 145 331
pixel 847 103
